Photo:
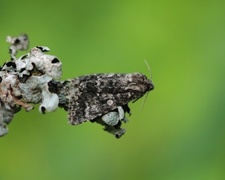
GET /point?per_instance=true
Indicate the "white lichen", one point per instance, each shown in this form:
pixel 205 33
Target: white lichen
pixel 17 43
pixel 24 81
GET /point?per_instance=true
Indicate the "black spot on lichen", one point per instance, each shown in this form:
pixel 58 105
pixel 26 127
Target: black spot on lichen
pixel 17 41
pixel 42 49
pixel 55 60
pixel 24 78
pixel 24 56
pixel 22 69
pixel 11 64
pixel 43 109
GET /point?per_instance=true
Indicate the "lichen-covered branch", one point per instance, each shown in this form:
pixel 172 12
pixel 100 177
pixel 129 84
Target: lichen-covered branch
pixel 24 81
pixel 34 78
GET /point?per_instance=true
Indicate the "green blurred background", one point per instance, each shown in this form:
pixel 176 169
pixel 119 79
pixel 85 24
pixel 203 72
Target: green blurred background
pixel 177 135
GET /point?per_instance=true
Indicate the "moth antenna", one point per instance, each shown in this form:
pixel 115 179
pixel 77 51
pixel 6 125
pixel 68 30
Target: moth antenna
pixel 150 72
pixel 143 103
pixel 149 69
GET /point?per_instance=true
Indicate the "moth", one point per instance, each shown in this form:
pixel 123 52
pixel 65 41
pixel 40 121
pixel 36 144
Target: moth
pixel 101 98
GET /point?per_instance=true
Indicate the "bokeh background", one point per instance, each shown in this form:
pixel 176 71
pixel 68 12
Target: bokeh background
pixel 179 132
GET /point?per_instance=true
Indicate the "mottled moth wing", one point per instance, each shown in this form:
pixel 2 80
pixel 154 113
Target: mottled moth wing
pixel 92 96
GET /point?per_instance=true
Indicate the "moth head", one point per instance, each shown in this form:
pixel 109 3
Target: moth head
pixel 150 85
